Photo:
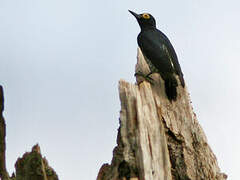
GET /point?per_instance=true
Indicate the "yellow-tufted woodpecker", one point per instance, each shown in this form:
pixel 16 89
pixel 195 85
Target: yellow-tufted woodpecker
pixel 159 54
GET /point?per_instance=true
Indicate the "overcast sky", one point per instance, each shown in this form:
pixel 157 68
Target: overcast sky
pixel 60 62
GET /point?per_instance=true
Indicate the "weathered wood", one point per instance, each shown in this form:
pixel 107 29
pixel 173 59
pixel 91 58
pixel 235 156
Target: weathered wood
pixel 157 139
pixel 32 166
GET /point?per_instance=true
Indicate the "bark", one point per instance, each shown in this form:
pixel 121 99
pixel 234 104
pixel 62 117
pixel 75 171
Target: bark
pixel 158 139
pixel 3 171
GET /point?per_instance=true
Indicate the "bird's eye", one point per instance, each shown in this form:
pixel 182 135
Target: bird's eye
pixel 146 16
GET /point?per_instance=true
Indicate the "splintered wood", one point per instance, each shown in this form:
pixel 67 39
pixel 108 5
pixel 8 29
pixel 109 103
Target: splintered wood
pixel 158 139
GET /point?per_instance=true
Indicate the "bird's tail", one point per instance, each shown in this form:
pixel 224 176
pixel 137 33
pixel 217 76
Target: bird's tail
pixel 171 87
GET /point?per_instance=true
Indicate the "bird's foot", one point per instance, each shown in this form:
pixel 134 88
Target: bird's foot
pixel 146 77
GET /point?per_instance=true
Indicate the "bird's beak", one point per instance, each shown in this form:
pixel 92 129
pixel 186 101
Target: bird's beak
pixel 137 16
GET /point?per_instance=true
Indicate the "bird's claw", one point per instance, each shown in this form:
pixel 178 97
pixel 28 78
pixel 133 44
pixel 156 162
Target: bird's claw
pixel 146 77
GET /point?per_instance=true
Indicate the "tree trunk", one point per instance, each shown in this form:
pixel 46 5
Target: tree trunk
pixel 3 171
pixel 158 139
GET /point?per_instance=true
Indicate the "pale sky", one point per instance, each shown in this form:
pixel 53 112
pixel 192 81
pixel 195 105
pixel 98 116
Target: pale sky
pixel 61 62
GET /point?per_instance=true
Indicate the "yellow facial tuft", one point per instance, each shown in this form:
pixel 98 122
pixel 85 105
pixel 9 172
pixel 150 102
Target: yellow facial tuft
pixel 146 16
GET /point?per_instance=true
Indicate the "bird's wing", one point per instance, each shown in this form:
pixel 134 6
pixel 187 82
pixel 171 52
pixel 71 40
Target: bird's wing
pixel 170 50
pixel 159 50
pixel 154 51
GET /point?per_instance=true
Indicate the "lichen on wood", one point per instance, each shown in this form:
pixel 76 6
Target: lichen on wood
pixel 32 166
pixel 158 139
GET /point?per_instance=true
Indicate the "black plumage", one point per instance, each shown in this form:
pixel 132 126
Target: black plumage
pixel 159 54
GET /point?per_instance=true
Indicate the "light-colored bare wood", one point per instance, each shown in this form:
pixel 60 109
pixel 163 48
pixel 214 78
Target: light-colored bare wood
pixel 158 139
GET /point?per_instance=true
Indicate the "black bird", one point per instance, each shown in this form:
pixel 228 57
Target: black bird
pixel 159 54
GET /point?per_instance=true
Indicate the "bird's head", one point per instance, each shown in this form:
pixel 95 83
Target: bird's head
pixel 145 20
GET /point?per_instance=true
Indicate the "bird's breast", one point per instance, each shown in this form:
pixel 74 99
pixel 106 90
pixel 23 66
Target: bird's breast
pixel 152 68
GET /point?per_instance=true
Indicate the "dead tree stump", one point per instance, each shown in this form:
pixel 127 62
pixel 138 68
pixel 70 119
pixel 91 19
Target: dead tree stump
pixel 32 166
pixel 157 139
